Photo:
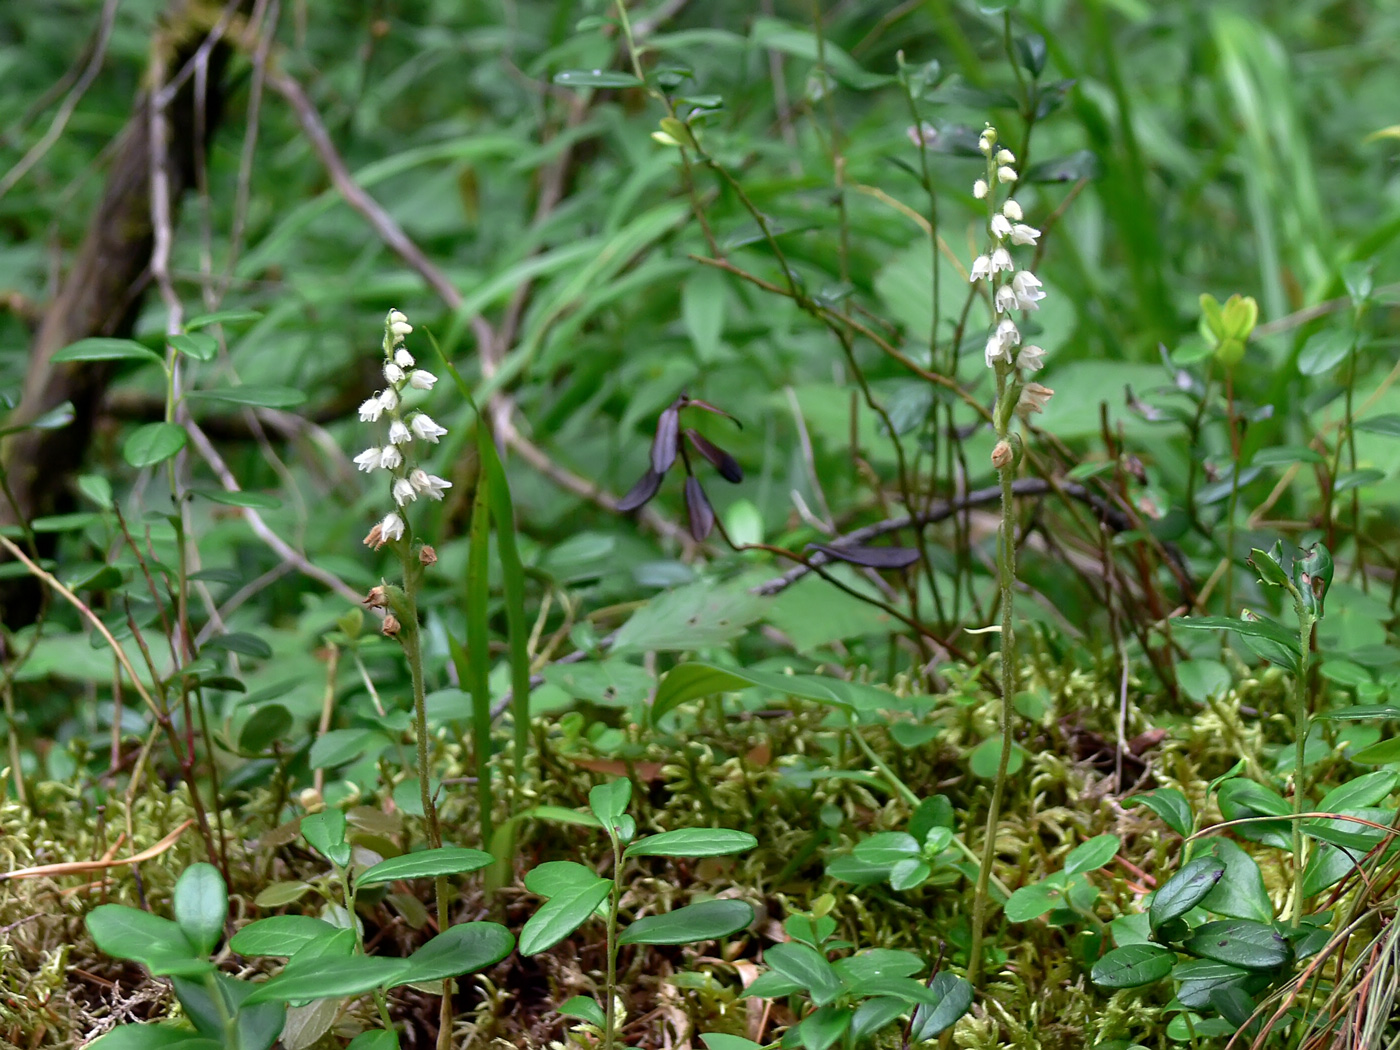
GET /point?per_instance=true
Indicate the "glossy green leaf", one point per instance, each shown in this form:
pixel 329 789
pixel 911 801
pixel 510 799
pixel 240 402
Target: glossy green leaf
pixel 1238 942
pixel 220 317
pixel 692 842
pixel 201 906
pixel 325 831
pixel 280 935
pixel 955 999
pixel 152 1037
pixel 705 921
pixel 197 345
pixel 1169 804
pixel 332 978
pixel 425 864
pixel 1240 890
pixel 720 1041
pixel 155 942
pixel 561 915
pixel 1092 855
pixel 609 801
pixel 1031 902
pixel 806 967
pixel 585 1008
pixel 154 443
pixel 596 78
pixel 102 349
pixel 1184 890
pixel 821 1028
pixel 1133 965
pixel 461 949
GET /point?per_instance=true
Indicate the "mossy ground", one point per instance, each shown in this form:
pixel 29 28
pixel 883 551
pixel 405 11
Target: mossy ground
pixel 734 772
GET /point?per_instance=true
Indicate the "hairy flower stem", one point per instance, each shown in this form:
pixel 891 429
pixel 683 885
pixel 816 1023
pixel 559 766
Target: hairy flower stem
pixel 1006 575
pixel 410 639
pixel 614 900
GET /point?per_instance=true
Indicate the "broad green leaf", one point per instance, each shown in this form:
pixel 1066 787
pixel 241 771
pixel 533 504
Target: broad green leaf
pixel 1169 804
pixel 586 1008
pixel 336 747
pixel 220 317
pixel 157 943
pixel 1380 754
pixel 461 949
pixel 1241 798
pixel 705 921
pixel 696 616
pixel 1031 902
pixel 280 935
pixel 152 1037
pixel 609 801
pixel 1325 350
pixel 1261 628
pixel 720 1041
pixel 771 985
pixel 596 78
pixel 258 1025
pixel 561 915
pixel 885 849
pixel 375 1039
pixel 874 1014
pixel 1133 965
pixel 280 894
pixel 238 498
pixel 955 998
pixel 201 906
pixel 241 642
pixel 1091 855
pixel 806 967
pixel 331 978
pixel 1240 891
pixel 1388 425
pixel 198 346
pixel 1199 977
pixel 1239 942
pixel 874 963
pixel 102 349
pixel 554 877
pixel 325 831
pixel 1184 890
pixel 250 395
pixel 1369 789
pixel 154 443
pixel 692 842
pixel 985 759
pixel 1361 713
pixel 428 863
pixel 821 1028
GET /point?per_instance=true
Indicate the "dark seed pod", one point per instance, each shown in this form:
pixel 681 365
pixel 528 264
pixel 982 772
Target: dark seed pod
pixel 645 488
pixel 722 461
pixel 697 505
pixel 667 443
pixel 870 557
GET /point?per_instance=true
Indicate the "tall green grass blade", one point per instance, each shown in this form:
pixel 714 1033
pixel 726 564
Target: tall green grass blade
pixel 477 679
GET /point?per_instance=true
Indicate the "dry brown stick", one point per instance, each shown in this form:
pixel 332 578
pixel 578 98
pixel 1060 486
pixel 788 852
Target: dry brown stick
pixel 82 867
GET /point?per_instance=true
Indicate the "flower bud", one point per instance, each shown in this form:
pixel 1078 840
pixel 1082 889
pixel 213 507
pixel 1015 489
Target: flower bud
pixel 377 598
pixel 311 800
pixel 391 625
pixel 1002 455
pixel 426 555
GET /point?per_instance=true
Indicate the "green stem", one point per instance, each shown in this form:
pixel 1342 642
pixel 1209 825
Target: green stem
pixel 610 986
pixel 1300 732
pixel 1006 573
pixel 411 640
